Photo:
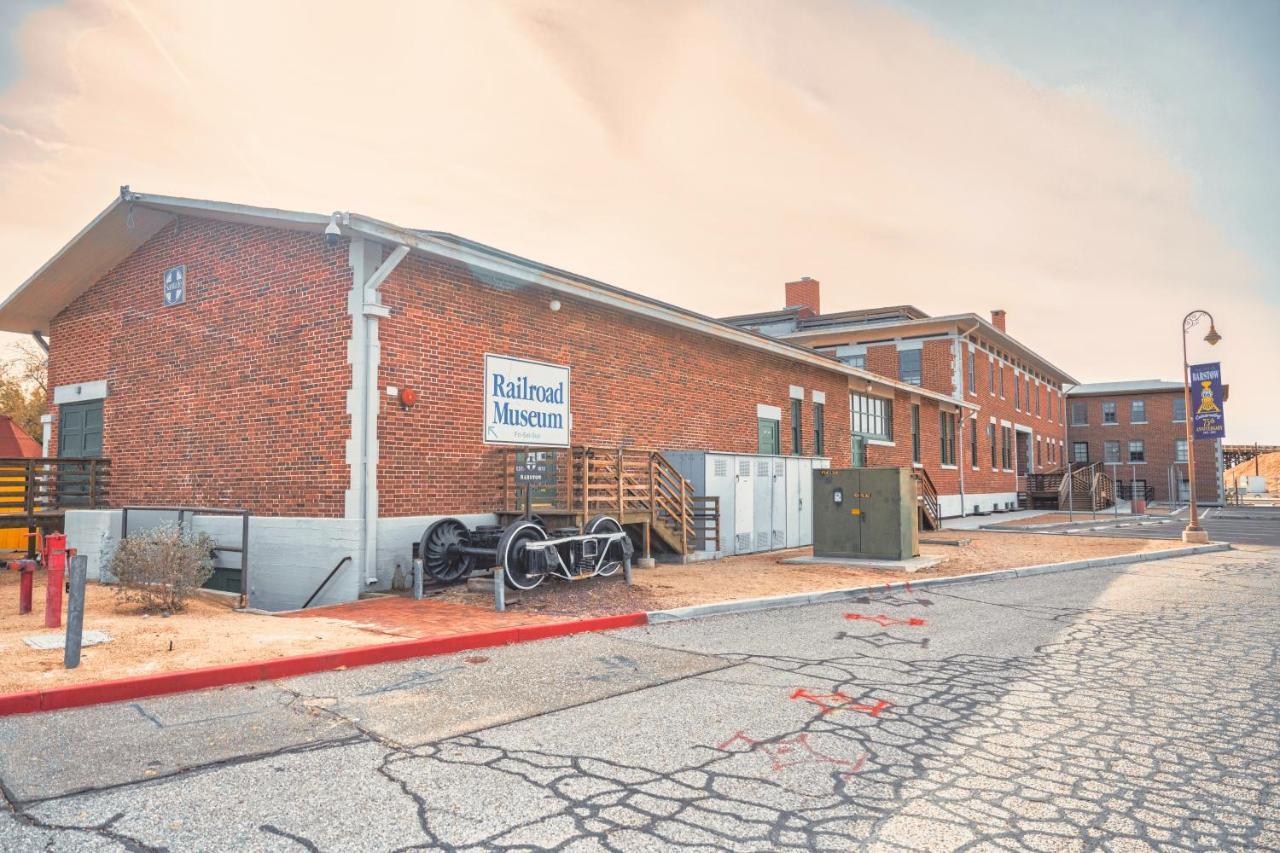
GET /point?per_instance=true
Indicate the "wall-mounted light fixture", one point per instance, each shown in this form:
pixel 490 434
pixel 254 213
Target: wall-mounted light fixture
pixel 555 304
pixel 408 397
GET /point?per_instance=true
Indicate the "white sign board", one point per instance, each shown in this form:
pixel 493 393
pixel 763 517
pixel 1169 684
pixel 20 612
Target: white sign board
pixel 525 402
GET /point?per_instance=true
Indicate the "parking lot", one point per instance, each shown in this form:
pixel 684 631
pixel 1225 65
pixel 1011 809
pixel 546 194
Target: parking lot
pixel 1237 525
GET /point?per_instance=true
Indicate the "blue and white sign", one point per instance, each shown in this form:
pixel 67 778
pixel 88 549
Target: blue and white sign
pixel 175 285
pixel 525 402
pixel 1207 402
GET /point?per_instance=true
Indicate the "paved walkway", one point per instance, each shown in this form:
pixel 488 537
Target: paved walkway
pixel 1125 707
pixel 401 616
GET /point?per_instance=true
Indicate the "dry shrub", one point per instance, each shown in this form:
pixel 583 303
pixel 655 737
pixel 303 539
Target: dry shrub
pixel 161 568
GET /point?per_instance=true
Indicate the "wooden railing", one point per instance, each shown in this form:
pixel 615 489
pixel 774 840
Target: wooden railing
pixel 633 484
pixel 927 499
pixel 1088 488
pixel 33 491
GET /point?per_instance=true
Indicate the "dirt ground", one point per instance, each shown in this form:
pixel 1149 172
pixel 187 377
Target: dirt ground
pixel 756 576
pixel 210 632
pixel 1064 518
pixel 207 634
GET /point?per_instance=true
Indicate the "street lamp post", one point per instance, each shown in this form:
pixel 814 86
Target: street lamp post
pixel 1193 531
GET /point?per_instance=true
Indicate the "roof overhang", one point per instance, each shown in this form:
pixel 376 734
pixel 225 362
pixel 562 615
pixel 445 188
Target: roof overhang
pixel 117 232
pixel 133 218
pixel 963 324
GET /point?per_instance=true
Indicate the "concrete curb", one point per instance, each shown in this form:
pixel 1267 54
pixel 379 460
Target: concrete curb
pixel 722 608
pixel 125 689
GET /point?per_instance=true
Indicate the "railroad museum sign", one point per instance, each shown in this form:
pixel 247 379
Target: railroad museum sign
pixel 525 402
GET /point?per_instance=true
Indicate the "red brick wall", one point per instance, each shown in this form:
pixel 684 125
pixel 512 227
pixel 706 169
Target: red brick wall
pixel 1159 435
pixel 635 381
pixel 938 363
pixel 235 398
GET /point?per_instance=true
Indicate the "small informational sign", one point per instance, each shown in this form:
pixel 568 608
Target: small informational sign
pixel 1206 401
pixel 175 285
pixel 525 402
pixel 534 469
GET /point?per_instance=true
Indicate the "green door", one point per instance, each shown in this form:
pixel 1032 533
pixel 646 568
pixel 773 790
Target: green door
pixel 79 436
pixel 769 440
pixel 80 429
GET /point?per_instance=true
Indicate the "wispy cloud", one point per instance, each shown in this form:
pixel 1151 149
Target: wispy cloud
pixel 702 154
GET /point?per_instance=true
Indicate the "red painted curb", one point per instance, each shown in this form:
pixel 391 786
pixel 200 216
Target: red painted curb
pixel 125 689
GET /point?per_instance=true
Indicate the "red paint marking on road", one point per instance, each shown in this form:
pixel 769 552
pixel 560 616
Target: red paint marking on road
pixel 832 702
pixel 885 621
pixel 792 752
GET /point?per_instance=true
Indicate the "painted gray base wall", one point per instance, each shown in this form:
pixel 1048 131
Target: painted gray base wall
pixel 288 557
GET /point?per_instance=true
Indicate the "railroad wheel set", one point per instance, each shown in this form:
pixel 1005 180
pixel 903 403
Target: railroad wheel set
pixel 526 550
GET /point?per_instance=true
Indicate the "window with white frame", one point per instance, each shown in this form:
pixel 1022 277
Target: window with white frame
pixel 1109 412
pixel 1179 408
pixel 973 382
pixel 1079 413
pixel 1111 452
pixel 1080 452
pixel 1137 411
pixel 1137 450
pixel 947 431
pixel 1180 450
pixel 872 416
pixel 909 366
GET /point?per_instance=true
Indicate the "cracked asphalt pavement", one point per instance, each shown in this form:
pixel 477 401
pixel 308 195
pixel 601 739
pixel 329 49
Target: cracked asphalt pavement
pixel 1123 708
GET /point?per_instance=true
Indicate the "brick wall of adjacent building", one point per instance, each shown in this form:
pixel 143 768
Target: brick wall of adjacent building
pixel 939 371
pixel 234 398
pixel 635 382
pixel 1159 435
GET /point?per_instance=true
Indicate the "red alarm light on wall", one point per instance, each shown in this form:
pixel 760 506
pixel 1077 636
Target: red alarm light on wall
pixel 408 397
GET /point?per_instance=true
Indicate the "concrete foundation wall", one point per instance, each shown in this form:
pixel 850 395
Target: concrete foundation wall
pixel 288 557
pixel 950 507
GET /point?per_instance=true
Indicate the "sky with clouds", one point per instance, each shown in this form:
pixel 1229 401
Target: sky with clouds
pixel 1097 169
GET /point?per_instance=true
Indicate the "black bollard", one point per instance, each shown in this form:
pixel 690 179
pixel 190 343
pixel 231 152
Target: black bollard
pixel 75 610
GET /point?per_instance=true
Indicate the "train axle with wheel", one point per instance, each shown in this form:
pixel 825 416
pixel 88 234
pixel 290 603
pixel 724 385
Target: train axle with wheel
pixel 525 550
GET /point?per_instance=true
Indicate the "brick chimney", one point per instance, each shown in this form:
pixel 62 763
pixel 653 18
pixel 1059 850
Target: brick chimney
pixel 997 318
pixel 804 294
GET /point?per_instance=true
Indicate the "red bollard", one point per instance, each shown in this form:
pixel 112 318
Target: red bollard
pixel 26 576
pixel 55 548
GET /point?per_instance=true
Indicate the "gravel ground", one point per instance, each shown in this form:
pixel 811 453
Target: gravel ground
pixel 759 575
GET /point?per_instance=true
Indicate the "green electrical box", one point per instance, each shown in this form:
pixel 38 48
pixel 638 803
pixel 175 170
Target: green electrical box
pixel 865 512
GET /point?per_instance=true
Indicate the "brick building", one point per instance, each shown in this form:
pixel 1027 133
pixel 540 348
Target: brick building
pixel 328 373
pixel 1138 430
pixel 1011 397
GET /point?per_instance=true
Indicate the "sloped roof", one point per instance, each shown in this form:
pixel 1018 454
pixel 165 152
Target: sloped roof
pixel 1130 387
pixel 133 218
pixel 15 443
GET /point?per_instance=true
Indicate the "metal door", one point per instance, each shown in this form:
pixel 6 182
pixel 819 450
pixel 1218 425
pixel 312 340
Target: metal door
pixel 779 502
pixel 80 429
pixel 797 473
pixel 880 505
pixel 744 503
pixel 859 452
pixel 763 482
pixel 721 481
pixel 805 535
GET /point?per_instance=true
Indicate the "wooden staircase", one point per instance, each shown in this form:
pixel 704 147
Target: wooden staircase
pixel 930 514
pixel 639 487
pixel 1086 489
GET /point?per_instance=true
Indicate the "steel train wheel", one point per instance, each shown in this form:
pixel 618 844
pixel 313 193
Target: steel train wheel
pixel 437 562
pixel 511 548
pixel 606 524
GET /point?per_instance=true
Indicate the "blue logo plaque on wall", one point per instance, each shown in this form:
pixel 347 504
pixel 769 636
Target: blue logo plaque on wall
pixel 175 285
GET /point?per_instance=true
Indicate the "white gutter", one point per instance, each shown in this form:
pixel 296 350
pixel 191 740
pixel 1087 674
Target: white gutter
pixel 364 401
pixel 623 301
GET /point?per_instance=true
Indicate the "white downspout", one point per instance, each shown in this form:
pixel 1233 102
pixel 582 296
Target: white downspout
pixel 962 376
pixel 365 356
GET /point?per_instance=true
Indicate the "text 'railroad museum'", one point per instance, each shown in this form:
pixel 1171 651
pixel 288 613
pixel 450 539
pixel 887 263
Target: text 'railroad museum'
pixel 347 381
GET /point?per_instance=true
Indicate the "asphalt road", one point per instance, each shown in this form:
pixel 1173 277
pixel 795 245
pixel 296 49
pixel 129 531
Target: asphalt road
pixel 1116 708
pixel 1237 525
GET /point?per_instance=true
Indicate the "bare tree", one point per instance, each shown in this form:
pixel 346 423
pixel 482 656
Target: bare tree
pixel 24 387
